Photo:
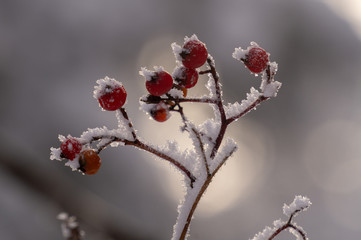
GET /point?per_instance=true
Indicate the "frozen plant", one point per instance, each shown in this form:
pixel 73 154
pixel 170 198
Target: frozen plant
pixel 167 93
pixel 299 204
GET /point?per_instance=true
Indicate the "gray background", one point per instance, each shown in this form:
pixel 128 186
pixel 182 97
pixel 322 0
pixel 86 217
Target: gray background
pixel 306 141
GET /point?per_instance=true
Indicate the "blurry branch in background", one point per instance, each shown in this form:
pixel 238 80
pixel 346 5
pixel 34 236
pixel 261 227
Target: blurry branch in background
pixel 70 227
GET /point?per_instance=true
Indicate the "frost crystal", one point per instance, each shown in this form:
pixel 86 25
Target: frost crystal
pixel 236 108
pixel 55 153
pixel 104 85
pixel 300 203
pixel 177 50
pixel 148 74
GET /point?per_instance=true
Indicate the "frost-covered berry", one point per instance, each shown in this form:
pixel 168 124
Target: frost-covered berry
pixel 186 77
pixel 160 112
pixel 256 59
pixel 194 54
pixel 110 93
pixel 70 148
pixel 159 83
pixel 89 162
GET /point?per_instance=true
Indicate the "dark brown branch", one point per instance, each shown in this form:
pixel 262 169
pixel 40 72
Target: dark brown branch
pixel 180 100
pixel 125 115
pixel 220 107
pixel 259 100
pixel 289 225
pixel 139 144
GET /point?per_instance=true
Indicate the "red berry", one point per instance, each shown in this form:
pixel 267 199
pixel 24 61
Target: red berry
pixel 89 162
pixel 186 77
pixel 160 112
pixel 70 148
pixel 256 60
pixel 194 54
pixel 160 83
pixel 113 98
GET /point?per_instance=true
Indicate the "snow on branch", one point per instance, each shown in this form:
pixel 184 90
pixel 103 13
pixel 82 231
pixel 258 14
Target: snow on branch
pixel 300 203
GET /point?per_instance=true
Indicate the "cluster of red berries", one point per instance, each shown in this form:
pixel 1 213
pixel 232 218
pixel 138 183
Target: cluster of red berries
pixel 89 160
pixel 159 82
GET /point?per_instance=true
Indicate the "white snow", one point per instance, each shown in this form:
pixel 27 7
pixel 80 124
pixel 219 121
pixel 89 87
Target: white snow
pixel 149 74
pixel 191 38
pixel 176 93
pixel 104 85
pixel 55 154
pixel 229 147
pixel 271 89
pixel 177 50
pixel 235 109
pixel 300 203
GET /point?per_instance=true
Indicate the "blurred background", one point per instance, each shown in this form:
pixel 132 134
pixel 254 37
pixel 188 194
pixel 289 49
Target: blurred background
pixel 306 141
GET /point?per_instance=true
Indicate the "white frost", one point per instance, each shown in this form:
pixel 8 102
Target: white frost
pixel 104 85
pixel 55 154
pixel 271 89
pixel 235 109
pixel 300 203
pixel 149 74
pixel 177 50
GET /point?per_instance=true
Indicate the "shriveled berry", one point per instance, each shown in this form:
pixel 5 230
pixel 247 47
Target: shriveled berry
pixel 160 83
pixel 89 162
pixel 70 148
pixel 194 54
pixel 186 77
pixel 160 112
pixel 256 59
pixel 113 98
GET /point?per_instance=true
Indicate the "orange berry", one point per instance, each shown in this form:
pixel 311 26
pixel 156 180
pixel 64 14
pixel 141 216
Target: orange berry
pixel 89 162
pixel 160 112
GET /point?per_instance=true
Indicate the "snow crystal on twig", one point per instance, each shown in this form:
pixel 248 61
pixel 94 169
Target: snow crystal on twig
pixel 177 50
pixel 73 164
pixel 176 93
pixel 235 109
pixel 300 203
pixel 93 133
pixel 210 129
pixel 55 153
pixel 229 147
pixel 211 86
pixel 269 86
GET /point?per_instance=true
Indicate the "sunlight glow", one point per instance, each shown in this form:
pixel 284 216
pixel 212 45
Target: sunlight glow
pixel 350 10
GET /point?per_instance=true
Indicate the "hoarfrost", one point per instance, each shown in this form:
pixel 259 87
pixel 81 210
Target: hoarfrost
pixel 149 74
pixel 230 146
pixel 210 129
pixel 235 109
pixel 104 85
pixel 191 38
pixel 73 164
pixel 177 50
pixel 271 89
pixel 265 234
pixel 176 93
pixel 55 154
pixel 300 203
pixel 211 87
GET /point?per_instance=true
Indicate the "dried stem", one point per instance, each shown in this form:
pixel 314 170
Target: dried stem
pixel 287 225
